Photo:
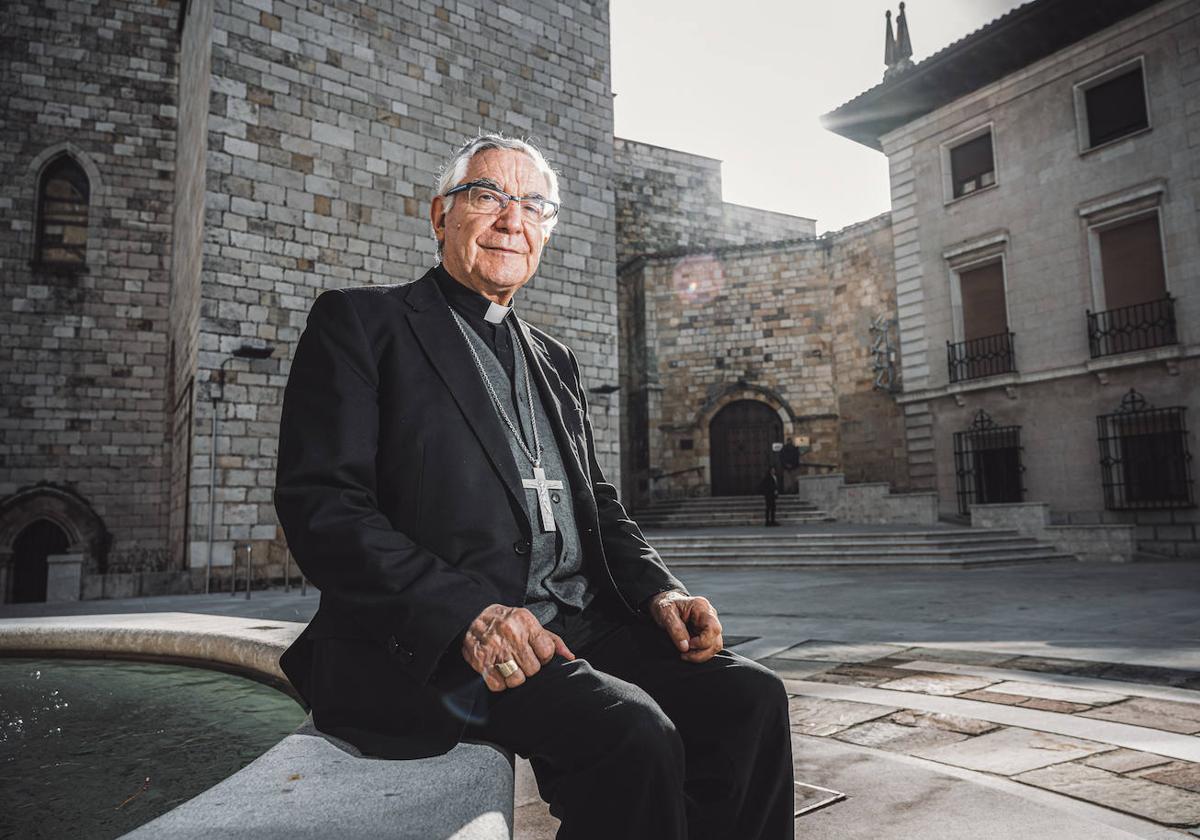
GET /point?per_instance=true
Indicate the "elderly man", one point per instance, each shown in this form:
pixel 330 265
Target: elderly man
pixel 438 482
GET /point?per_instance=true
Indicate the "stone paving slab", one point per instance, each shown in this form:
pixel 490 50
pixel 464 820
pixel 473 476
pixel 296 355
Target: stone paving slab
pixel 853 674
pixel 1057 692
pixel 1060 706
pixel 885 735
pixel 1161 803
pixel 952 723
pixel 941 685
pixel 816 716
pixel 1056 666
pixel 993 697
pixel 827 651
pixel 1180 774
pixel 894 797
pixel 1125 689
pixel 1007 752
pixel 1166 715
pixel 954 656
pixel 795 669
pixel 1125 761
pixel 1184 747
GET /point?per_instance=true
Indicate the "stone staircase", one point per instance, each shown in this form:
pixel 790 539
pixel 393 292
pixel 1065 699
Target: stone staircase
pixel 726 512
pixel 848 546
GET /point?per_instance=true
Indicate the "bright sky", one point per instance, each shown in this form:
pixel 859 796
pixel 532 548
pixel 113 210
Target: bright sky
pixel 748 86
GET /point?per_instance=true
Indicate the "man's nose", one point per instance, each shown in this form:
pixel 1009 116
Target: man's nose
pixel 510 217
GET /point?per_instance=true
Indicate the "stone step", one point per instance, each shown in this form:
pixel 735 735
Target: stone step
pixel 729 501
pixel 861 562
pixel 875 552
pixel 721 508
pixel 735 521
pixel 849 541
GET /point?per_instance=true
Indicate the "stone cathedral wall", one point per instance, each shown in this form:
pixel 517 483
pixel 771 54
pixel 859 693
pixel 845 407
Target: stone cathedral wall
pixel 83 355
pixel 784 323
pixel 669 199
pixel 327 123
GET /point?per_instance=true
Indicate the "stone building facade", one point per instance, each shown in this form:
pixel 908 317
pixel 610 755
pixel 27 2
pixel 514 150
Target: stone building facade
pixel 741 329
pixel 238 158
pixel 90 110
pixel 1047 262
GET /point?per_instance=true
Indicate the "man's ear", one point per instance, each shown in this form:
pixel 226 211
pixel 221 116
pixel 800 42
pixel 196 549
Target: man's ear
pixel 437 217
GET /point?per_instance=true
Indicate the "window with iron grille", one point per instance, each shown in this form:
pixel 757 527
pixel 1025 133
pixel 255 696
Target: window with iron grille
pixel 972 166
pixel 1144 456
pixel 987 463
pixel 62 216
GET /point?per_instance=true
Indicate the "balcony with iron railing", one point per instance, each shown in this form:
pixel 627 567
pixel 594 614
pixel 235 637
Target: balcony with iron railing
pixel 1141 326
pixel 976 358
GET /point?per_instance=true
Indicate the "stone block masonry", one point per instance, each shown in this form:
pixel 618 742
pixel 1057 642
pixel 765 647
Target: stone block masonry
pixel 83 354
pixel 787 324
pixel 243 163
pixel 325 130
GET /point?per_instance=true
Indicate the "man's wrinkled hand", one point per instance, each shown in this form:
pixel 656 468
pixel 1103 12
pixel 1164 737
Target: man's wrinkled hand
pixel 500 634
pixel 691 622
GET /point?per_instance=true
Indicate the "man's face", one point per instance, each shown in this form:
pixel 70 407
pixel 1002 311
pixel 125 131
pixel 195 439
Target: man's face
pixel 493 254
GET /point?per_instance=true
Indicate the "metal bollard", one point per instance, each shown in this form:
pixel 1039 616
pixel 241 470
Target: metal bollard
pixel 303 585
pixel 249 564
pixel 287 571
pixel 233 571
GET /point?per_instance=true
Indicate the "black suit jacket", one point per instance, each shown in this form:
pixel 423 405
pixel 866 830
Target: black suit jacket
pixel 401 501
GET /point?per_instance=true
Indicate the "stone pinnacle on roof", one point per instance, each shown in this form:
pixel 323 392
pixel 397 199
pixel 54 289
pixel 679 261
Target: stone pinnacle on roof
pixel 897 52
pixel 889 42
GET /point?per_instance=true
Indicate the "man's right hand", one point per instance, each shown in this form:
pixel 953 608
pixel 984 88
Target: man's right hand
pixel 500 634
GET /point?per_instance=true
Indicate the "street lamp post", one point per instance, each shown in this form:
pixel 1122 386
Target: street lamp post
pixel 245 351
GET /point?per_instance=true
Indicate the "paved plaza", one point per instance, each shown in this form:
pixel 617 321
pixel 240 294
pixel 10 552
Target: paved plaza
pixel 1056 700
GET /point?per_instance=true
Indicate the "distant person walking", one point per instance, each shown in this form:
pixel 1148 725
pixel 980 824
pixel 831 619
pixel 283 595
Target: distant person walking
pixel 769 487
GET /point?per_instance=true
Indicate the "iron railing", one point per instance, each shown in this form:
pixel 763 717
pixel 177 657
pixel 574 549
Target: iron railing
pixel 979 357
pixel 987 464
pixel 1137 327
pixel 1144 456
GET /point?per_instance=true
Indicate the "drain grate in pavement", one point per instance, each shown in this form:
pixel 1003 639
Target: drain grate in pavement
pixel 811 798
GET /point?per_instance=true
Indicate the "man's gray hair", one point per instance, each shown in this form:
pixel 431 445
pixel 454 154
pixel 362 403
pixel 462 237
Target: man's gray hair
pixel 455 169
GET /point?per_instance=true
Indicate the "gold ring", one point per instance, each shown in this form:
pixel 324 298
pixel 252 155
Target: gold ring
pixel 507 669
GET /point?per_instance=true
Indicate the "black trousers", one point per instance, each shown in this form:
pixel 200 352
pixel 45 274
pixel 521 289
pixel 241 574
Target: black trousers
pixel 769 501
pixel 629 741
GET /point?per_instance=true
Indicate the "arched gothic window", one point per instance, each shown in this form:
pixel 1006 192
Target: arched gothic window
pixel 62 215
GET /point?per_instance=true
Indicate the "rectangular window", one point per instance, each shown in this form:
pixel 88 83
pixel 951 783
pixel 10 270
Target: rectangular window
pixel 983 306
pixel 1131 263
pixel 972 166
pixel 1116 107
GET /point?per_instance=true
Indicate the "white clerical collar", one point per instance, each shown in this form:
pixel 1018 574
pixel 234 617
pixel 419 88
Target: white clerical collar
pixel 495 312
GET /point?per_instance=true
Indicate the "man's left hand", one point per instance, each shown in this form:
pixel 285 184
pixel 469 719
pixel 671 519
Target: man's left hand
pixel 691 622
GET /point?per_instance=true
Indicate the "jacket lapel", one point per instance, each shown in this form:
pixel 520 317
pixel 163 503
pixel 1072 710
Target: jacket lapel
pixel 552 390
pixel 443 344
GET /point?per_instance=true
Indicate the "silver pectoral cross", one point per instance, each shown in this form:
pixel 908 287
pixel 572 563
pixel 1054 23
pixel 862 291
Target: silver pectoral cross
pixel 543 488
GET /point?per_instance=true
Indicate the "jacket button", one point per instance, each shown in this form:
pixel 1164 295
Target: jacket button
pixel 554 497
pixel 521 546
pixel 392 644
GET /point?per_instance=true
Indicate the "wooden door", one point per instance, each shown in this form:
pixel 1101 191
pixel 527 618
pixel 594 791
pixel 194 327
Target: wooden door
pixel 741 435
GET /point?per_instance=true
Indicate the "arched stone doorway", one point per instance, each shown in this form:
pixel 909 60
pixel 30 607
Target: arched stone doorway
pixel 25 518
pixel 32 546
pixel 740 436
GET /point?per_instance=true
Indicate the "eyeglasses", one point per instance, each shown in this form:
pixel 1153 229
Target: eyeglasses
pixel 482 198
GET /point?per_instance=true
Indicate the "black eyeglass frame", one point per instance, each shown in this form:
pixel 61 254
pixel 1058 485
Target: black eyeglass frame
pixel 517 198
